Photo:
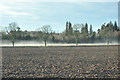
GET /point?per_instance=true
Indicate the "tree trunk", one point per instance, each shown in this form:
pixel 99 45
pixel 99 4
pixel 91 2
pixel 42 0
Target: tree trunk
pixel 45 43
pixel 13 43
pixel 76 37
pixel 76 42
pixel 107 42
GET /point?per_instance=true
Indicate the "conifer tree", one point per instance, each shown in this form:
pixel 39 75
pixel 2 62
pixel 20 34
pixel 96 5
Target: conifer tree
pixel 91 29
pixel 66 27
pixel 115 25
pixel 70 28
pixel 86 28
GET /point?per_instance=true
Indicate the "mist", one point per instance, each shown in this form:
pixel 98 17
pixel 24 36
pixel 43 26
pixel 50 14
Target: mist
pixel 40 43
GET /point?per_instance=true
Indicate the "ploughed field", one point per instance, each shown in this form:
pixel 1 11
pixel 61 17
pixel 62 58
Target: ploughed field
pixel 60 62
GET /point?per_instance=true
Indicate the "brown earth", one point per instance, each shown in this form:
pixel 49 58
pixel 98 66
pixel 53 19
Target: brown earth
pixel 60 62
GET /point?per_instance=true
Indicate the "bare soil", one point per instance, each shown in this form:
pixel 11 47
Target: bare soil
pixel 60 62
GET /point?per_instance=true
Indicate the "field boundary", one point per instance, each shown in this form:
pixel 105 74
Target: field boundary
pixel 60 46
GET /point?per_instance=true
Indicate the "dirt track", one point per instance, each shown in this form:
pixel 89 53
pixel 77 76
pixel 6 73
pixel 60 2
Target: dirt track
pixel 77 62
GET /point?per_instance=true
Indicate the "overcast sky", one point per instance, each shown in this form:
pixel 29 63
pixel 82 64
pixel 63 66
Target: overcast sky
pixel 32 15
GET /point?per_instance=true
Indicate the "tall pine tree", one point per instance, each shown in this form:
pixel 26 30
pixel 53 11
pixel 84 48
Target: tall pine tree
pixel 86 28
pixel 66 27
pixel 115 25
pixel 91 29
pixel 70 28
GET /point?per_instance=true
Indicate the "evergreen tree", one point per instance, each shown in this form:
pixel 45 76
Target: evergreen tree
pixel 91 29
pixel 83 30
pixel 103 26
pixel 86 28
pixel 93 36
pixel 53 39
pixel 70 28
pixel 98 31
pixel 107 25
pixel 66 27
pixel 115 25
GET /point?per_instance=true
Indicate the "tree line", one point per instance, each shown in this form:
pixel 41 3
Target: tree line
pixel 74 33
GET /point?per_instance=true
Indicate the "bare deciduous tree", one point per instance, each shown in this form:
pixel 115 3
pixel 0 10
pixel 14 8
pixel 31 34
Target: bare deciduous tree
pixel 11 30
pixel 76 32
pixel 46 29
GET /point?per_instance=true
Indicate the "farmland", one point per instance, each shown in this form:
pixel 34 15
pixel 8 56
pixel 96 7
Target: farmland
pixel 61 62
